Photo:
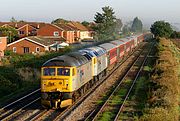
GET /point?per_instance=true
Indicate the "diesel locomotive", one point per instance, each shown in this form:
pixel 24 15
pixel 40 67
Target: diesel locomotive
pixel 65 78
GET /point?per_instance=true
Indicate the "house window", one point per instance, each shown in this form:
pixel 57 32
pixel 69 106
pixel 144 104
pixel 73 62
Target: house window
pixel 26 49
pixel 14 49
pixel 21 32
pixel 37 49
pixel 56 33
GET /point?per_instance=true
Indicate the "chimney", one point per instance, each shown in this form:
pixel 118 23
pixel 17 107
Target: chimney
pixel 38 26
pixel 16 25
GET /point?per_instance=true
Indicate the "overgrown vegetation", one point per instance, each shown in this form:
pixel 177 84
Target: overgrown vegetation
pixel 11 32
pixel 161 29
pixel 30 60
pixel 22 72
pixel 176 42
pixel 163 92
pixel 175 35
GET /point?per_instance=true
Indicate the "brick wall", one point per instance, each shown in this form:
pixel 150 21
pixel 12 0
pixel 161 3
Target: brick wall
pixel 27 30
pixel 48 30
pixel 69 36
pixel 24 43
pixel 3 44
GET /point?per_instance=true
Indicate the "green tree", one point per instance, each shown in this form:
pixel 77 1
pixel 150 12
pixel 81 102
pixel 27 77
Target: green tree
pixel 85 23
pixel 22 21
pixel 175 34
pixel 13 20
pixel 161 29
pixel 12 33
pixel 59 20
pixel 137 25
pixel 118 25
pixel 105 23
pixel 126 30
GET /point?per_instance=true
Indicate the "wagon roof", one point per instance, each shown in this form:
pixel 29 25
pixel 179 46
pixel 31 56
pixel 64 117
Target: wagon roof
pixel 118 42
pixel 134 37
pixel 125 40
pixel 108 46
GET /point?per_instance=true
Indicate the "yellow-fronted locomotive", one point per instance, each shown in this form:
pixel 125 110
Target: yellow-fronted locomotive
pixel 66 78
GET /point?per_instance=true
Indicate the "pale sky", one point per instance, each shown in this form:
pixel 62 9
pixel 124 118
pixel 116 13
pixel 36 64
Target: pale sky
pixel 47 10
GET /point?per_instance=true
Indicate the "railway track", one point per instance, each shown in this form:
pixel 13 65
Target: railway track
pixel 17 106
pixel 116 100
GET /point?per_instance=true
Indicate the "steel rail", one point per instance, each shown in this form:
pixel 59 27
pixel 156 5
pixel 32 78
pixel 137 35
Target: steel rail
pixel 20 99
pixel 16 112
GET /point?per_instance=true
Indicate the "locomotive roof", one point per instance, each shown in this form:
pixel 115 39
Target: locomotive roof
pixel 94 51
pixel 79 56
pixel 107 46
pixel 117 42
pixel 72 59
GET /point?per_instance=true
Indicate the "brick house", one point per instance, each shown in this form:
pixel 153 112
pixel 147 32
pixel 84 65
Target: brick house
pixel 3 44
pixel 84 32
pixel 34 44
pixel 76 32
pixel 50 30
pixel 24 28
pixel 68 32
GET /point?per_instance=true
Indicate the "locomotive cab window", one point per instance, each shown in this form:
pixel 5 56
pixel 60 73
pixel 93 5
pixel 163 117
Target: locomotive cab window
pixel 63 72
pixel 49 71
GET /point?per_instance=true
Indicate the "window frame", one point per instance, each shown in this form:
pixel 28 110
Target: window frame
pixel 58 74
pixel 56 33
pixel 14 49
pixel 21 32
pixel 26 49
pixel 37 49
pixel 55 71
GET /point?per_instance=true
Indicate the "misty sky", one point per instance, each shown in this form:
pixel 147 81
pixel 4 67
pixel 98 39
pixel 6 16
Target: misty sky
pixel 47 10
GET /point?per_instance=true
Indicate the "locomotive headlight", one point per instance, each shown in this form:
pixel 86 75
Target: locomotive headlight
pixel 66 81
pixel 44 95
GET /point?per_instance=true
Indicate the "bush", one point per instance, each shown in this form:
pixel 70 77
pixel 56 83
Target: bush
pixel 8 53
pixel 6 86
pixel 175 35
pixel 158 114
pixel 164 85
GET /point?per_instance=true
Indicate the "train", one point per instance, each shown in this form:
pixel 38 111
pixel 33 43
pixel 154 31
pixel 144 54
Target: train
pixel 66 78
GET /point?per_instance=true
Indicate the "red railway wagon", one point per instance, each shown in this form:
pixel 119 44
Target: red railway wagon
pixel 127 44
pixel 140 38
pixel 111 52
pixel 132 42
pixel 120 48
